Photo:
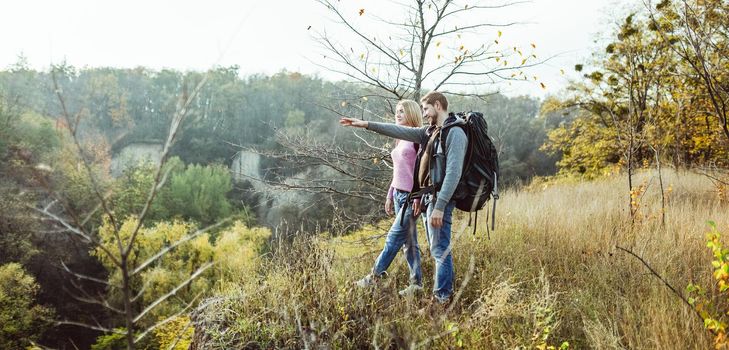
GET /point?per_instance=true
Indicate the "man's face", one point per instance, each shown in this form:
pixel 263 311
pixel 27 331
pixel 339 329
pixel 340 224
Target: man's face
pixel 429 113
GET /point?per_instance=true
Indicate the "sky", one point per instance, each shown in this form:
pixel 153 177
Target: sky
pixel 266 36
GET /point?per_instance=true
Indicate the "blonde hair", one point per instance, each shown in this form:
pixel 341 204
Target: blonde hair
pixel 413 114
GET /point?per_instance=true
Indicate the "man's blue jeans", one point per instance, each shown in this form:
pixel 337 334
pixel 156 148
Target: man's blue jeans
pixel 439 241
pixel 404 236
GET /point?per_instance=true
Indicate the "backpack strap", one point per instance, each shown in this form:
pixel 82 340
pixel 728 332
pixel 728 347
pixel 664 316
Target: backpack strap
pixel 495 196
pixel 416 191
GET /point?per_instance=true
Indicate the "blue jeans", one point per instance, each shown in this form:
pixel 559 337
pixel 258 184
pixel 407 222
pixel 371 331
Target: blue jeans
pixel 439 241
pixel 404 236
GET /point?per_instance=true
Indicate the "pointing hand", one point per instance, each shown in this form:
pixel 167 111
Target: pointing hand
pixel 344 121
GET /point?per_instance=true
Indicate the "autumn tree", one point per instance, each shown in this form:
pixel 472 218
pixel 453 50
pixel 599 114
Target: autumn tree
pixel 619 105
pixel 698 33
pixel 644 101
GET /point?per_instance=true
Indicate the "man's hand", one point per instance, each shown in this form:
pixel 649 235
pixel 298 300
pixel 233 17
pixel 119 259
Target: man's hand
pixel 436 218
pixel 389 206
pixel 416 207
pixel 344 121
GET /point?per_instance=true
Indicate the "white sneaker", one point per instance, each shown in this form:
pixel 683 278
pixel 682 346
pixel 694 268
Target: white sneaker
pixel 369 281
pixel 411 290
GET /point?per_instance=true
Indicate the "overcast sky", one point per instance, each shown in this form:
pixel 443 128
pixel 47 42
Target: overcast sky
pixel 259 36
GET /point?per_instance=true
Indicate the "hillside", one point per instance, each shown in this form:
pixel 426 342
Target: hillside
pixel 550 273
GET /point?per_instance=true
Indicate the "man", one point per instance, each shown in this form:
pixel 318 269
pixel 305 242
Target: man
pixel 439 214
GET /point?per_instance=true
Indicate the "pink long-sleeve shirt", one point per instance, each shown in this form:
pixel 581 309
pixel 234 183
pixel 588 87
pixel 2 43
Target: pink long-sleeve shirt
pixel 403 165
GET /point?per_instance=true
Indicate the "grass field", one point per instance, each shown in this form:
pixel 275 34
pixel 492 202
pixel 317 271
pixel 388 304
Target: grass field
pixel 550 274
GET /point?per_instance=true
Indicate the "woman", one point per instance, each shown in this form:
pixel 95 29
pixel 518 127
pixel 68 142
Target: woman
pixel 403 233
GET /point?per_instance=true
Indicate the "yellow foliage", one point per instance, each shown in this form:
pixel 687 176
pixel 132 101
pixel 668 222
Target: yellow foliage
pixel 167 272
pixel 238 249
pixel 175 334
pixel 588 150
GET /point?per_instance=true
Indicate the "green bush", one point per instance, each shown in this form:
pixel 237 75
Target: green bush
pixel 21 320
pixel 199 193
pixel 194 193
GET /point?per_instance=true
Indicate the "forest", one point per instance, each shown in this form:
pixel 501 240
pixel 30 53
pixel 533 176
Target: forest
pixel 172 209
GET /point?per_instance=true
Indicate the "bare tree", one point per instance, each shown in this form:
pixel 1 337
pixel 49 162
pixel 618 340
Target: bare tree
pixel 447 46
pixel 60 213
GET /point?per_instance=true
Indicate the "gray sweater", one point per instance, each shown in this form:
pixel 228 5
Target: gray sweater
pixel 456 144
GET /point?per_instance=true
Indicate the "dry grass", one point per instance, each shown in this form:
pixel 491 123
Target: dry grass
pixel 550 273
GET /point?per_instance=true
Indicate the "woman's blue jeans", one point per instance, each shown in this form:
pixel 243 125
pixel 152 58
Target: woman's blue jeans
pixel 402 235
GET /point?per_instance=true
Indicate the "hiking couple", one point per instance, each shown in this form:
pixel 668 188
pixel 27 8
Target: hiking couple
pixel 407 178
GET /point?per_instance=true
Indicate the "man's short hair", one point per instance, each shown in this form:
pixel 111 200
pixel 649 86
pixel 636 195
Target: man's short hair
pixel 434 96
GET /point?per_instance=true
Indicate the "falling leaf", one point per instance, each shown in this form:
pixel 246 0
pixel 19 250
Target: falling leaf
pixel 460 48
pixel 402 53
pixel 438 56
pixel 364 98
pixel 499 34
pixel 513 75
pixel 535 77
pixel 498 59
pixel 465 7
pixel 535 56
pixel 543 86
pixel 561 71
pixel 458 35
pixel 523 61
pixel 374 70
pixel 505 63
pixel 496 41
pixel 361 12
pixel 534 46
pixel 308 28
pixel 344 103
pixel 437 44
pixel 361 56
pixel 520 54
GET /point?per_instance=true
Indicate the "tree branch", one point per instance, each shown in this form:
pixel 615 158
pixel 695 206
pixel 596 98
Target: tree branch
pixel 174 291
